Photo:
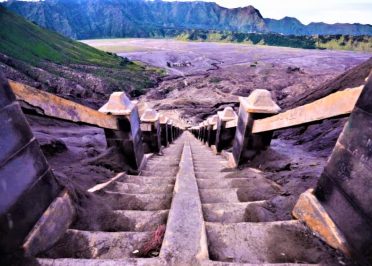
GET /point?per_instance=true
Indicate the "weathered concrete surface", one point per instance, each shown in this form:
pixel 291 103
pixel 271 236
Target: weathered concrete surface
pixel 335 105
pixel 57 107
pixel 309 210
pixel 97 245
pixel 51 225
pixel 118 104
pixel 286 241
pixel 27 184
pixel 345 186
pixel 185 240
pixel 247 144
pixel 101 262
pixel 127 141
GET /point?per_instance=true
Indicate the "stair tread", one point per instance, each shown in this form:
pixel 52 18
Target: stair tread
pixel 149 202
pixel 237 212
pixel 284 241
pixel 97 245
pixel 218 195
pixel 131 188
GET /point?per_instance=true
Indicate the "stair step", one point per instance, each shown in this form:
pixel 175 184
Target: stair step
pixel 205 175
pixel 141 221
pixel 148 180
pixel 225 195
pixel 238 212
pixel 275 242
pixel 174 164
pixel 164 173
pixel 248 186
pixel 127 221
pixel 145 202
pixel 98 245
pixel 162 168
pixel 131 188
pixel 213 168
pixel 106 262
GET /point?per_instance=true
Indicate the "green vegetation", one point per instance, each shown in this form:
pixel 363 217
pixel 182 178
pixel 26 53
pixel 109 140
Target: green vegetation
pixel 337 42
pixel 26 41
pixel 34 46
pixel 344 42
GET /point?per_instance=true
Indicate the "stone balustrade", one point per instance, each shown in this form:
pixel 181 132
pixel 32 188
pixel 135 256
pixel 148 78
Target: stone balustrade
pixel 126 140
pixel 28 185
pixel 150 127
pixel 338 209
pixel 228 130
pixel 35 209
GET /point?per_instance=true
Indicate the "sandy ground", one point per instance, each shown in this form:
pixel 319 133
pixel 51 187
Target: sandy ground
pixel 203 54
pixel 213 75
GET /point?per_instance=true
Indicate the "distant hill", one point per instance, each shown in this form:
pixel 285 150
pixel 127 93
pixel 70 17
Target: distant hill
pixel 52 62
pixel 84 19
pixel 334 42
pixel 28 42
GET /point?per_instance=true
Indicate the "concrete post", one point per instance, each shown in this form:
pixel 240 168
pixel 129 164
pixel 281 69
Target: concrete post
pixel 225 135
pixel 345 186
pixel 151 131
pixel 174 132
pixel 201 131
pixel 197 132
pixel 169 131
pixel 164 130
pixel 127 140
pixel 212 123
pixel 27 184
pixel 246 145
pixel 205 132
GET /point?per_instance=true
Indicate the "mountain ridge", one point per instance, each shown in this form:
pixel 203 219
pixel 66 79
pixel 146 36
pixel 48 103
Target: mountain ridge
pixel 86 19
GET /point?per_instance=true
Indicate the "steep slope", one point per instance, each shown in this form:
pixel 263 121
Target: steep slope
pixel 74 70
pixel 85 19
pixel 321 138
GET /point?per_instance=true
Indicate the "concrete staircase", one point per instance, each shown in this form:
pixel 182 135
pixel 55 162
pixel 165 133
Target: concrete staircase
pixel 139 205
pixel 240 222
pixel 216 216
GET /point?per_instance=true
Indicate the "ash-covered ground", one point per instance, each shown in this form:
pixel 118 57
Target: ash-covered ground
pixel 202 79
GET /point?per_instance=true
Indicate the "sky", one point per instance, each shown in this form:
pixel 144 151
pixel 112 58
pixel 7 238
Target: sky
pixel 329 11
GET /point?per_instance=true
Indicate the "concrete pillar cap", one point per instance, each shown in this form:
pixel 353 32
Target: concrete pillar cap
pixel 227 114
pixel 150 115
pixel 212 120
pixel 259 101
pixel 118 104
pixel 163 119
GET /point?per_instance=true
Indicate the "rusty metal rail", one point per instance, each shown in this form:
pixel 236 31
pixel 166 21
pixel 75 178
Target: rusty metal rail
pixel 53 106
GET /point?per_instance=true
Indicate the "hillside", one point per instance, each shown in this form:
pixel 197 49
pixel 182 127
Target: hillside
pixel 333 42
pixel 140 18
pixel 51 62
